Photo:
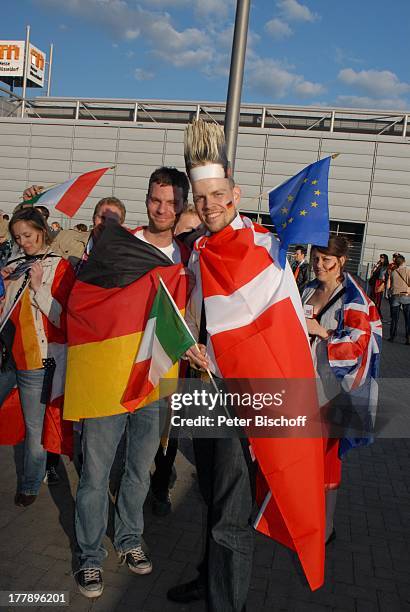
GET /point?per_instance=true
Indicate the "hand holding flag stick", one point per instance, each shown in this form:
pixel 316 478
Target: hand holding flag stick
pixel 22 290
pixel 194 342
pixel 166 339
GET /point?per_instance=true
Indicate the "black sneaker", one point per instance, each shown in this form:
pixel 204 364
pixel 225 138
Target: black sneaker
pixel 137 561
pixel 161 506
pixel 51 478
pixel 90 582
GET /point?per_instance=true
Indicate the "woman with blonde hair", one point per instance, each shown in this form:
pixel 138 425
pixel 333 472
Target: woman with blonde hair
pixel 33 338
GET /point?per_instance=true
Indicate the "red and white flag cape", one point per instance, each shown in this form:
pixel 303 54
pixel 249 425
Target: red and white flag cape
pixel 257 330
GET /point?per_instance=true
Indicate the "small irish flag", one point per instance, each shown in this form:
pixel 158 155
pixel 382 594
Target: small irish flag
pixel 166 338
pixel 68 197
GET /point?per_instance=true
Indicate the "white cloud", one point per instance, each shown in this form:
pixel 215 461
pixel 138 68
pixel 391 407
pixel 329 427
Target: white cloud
pixel 377 83
pixel 368 102
pixel 271 78
pixel 343 57
pixel 186 47
pixel 295 11
pixel 131 34
pixel 161 4
pixel 202 8
pixel 278 29
pixel 190 58
pixel 164 36
pixel 212 8
pixel 305 89
pixel 143 75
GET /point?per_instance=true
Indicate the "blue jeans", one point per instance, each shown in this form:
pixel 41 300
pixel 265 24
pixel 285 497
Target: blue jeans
pixel 31 386
pixel 404 302
pixel 100 439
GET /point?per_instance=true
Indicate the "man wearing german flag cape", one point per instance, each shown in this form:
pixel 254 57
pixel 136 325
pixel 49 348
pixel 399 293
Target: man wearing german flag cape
pixel 255 328
pixel 107 314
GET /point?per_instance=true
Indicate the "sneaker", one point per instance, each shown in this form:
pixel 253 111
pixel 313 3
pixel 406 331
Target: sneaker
pixel 137 561
pixel 90 582
pixel 161 506
pixel 51 478
pixel 23 500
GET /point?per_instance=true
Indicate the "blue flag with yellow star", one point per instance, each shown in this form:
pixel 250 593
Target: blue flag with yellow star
pixel 299 208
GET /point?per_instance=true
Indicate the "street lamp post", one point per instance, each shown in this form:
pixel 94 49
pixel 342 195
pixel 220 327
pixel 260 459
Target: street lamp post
pixel 233 103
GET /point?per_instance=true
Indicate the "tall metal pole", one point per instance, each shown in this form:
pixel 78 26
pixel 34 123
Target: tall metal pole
pixel 233 103
pixel 50 65
pixel 26 66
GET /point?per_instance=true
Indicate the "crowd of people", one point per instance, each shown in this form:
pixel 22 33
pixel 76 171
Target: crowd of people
pixel 392 281
pixel 249 321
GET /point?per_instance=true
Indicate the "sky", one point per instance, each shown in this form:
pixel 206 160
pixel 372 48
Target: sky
pixel 350 53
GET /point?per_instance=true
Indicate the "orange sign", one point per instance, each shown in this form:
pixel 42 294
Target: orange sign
pixel 12 64
pixel 9 52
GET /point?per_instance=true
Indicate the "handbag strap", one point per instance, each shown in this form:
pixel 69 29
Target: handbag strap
pixel 330 303
pixel 402 277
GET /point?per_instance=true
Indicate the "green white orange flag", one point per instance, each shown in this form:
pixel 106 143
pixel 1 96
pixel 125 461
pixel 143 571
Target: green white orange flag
pixel 68 197
pixel 165 340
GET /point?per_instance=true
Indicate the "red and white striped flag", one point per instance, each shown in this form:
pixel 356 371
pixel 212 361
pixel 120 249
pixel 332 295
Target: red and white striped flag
pixel 257 331
pixel 68 197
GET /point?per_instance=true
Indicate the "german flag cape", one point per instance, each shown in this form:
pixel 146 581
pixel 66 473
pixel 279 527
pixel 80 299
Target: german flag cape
pixel 107 313
pixel 257 330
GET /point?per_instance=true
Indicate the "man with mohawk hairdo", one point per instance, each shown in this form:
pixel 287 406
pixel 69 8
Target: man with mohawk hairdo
pixel 250 324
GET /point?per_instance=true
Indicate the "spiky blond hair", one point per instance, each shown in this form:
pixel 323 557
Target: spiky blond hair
pixel 204 143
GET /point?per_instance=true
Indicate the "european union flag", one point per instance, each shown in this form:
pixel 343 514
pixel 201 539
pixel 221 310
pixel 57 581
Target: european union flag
pixel 299 208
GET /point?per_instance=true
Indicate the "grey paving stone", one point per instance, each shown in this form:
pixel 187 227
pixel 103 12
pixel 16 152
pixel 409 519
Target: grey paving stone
pixel 367 567
pixel 366 606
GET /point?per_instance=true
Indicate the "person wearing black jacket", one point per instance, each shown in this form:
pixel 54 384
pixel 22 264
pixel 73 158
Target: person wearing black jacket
pixel 300 267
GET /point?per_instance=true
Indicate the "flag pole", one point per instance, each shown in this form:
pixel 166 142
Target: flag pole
pixel 195 343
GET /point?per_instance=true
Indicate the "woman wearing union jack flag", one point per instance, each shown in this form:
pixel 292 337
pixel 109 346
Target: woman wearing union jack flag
pixel 345 331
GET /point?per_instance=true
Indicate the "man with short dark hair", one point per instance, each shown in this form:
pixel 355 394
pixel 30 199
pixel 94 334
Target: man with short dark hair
pixel 300 267
pixel 165 201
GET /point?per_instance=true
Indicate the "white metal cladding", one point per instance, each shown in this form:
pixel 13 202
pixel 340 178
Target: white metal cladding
pixel 369 181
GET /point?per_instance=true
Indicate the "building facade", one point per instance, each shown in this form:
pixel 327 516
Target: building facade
pixel 369 184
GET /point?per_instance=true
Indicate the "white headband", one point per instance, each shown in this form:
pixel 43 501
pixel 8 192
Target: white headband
pixel 207 172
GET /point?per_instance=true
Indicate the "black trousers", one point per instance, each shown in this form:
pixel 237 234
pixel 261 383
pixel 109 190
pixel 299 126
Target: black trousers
pixel 52 460
pixel 164 466
pixel 226 481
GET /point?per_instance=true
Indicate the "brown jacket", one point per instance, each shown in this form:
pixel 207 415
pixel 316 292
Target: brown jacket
pixel 70 244
pixel 400 280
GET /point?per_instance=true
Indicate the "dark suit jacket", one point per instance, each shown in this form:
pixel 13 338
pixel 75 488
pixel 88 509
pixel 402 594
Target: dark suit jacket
pixel 303 276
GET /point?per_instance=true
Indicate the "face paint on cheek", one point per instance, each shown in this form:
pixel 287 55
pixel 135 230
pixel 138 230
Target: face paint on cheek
pixel 332 268
pixel 229 206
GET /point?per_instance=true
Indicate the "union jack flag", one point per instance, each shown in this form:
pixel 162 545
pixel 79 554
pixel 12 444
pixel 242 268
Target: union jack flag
pixel 354 357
